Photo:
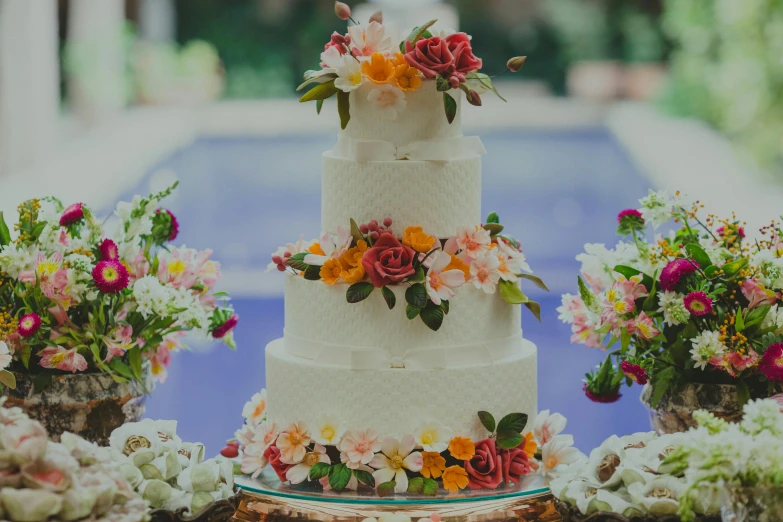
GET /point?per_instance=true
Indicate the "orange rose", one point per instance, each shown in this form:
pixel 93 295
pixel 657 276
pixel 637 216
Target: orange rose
pixel 417 239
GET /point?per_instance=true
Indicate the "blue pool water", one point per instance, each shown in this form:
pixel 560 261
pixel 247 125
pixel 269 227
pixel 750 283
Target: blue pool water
pixel 554 190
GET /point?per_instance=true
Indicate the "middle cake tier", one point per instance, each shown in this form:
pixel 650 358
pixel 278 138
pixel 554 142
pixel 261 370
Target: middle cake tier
pixel 322 326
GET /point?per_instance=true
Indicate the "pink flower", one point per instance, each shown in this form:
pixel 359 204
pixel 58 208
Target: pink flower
pixel 698 303
pixel 601 398
pixel 61 359
pixel 179 268
pixel 273 456
pixel 516 464
pixel 110 276
pixel 207 271
pixel 174 230
pixel 338 41
pixel 359 448
pixel 119 342
pixel 634 372
pixel 674 271
pixel 756 294
pixel 485 468
pixel 473 241
pixel 584 332
pixel 59 313
pixel 441 284
pixel 52 278
pixel 225 328
pixel 365 40
pixel 632 287
pixel 485 272
pixel 643 325
pixel 254 460
pixel 432 57
pixel 630 213
pixel 343 11
pixel 161 359
pixel 109 250
pixel 741 362
pixel 72 214
pixel 771 364
pixel 388 261
pixel 138 267
pixel 29 325
pixel 293 443
pixel 779 399
pixel 464 59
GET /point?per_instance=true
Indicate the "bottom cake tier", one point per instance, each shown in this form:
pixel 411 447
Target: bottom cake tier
pixel 396 401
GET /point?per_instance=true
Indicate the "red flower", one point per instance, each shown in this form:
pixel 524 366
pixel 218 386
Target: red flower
pixel 464 59
pixel 433 57
pixel 485 469
pixel 698 303
pixel 672 274
pixel 224 329
pixel 29 325
pixel 71 215
pixel 109 250
pixel 630 213
pixel 604 398
pixel 388 261
pixel 272 454
pixel 634 372
pixel 516 464
pixel 771 364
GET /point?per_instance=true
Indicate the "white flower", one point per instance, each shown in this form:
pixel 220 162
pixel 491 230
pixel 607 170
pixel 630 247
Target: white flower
pixel 298 473
pixel 441 284
pixel 672 306
pixel 762 416
pixel 597 266
pixel 387 100
pixel 15 259
pixel 770 269
pixel 660 496
pixel 473 241
pixel 5 355
pixel 774 319
pixel 331 59
pixel 151 296
pixel 547 426
pixel 557 454
pixel 254 410
pixel 138 441
pixel 656 208
pixel 395 457
pixel 485 272
pixel 349 74
pixel 370 38
pixel 432 436
pixel 327 431
pixel 512 261
pixel 707 347
pixel 266 433
pixel 290 248
pixel 332 246
pixel 253 460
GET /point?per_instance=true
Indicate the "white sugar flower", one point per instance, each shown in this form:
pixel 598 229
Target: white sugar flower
pixel 138 441
pixel 485 272
pixel 387 100
pixel 672 306
pixel 707 347
pixel 367 39
pixel 253 459
pixel 254 410
pixel 432 436
pixel 349 74
pixel 290 248
pixel 512 261
pixel 557 454
pixel 441 283
pixel 548 425
pixel 328 431
pixel 660 496
pixel 395 457
pixel 332 245
pixel 301 472
pixel 266 433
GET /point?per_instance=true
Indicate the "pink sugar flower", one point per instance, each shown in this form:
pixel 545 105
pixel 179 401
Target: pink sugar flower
pixel 634 372
pixel 72 214
pixel 756 294
pixel 771 364
pixel 62 359
pixel 473 241
pixel 698 303
pixel 29 325
pixel 109 250
pixel 441 283
pixel 485 272
pixel 358 448
pixel 110 276
pixel 672 273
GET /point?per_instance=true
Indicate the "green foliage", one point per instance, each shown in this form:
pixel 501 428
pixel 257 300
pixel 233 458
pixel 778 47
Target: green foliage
pixel 389 297
pixel 339 476
pixel 359 291
pixel 432 315
pixel 450 106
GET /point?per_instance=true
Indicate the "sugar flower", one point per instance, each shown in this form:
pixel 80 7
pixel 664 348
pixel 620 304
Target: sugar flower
pixel 369 39
pixel 485 272
pixel 432 436
pixel 396 456
pixel 547 426
pixel 29 325
pixel 265 433
pixel 301 472
pixel 529 444
pixel 72 214
pixel 378 69
pixel 110 276
pixel 349 74
pixel 634 372
pixel 254 459
pixel 707 347
pixel 329 246
pixel 254 410
pixel 226 327
pixel 293 443
pixel 359 448
pixel 557 454
pixel 674 271
pixel 327 431
pixel 5 355
pixel 455 478
pixel 57 357
pixel 473 241
pixel 433 464
pixel 462 448
pixel 406 77
pixel 387 100
pixel 512 261
pixel 417 239
pixel 440 282
pixel 771 364
pixel 109 250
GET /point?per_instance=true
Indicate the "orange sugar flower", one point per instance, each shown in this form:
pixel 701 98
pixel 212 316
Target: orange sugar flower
pixel 462 448
pixel 378 69
pixel 353 256
pixel 529 445
pixel 434 464
pixel 352 274
pixel 455 478
pixel 417 239
pixel 408 78
pixel 458 264
pixel 316 249
pixel 331 271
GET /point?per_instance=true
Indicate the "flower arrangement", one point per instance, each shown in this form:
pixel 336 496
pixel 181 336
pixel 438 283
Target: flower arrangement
pixel 678 474
pixel 431 459
pixel 167 473
pixel 70 480
pixel 373 53
pixel 369 256
pixel 700 304
pixel 74 300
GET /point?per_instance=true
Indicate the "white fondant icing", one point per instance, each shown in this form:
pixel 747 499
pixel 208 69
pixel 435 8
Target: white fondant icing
pixel 439 196
pixel 394 402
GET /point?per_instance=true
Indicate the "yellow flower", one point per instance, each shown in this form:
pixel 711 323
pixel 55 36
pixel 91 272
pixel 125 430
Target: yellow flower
pixel 417 239
pixel 378 69
pixel 529 445
pixel 458 264
pixel 352 274
pixel 455 478
pixel 462 448
pixel 353 256
pixel 434 464
pixel 331 271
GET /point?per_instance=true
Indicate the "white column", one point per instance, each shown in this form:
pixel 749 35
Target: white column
pixel 407 14
pixel 29 82
pixel 157 20
pixel 97 82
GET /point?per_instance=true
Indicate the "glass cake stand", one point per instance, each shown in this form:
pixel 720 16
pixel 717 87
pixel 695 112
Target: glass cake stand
pixel 267 499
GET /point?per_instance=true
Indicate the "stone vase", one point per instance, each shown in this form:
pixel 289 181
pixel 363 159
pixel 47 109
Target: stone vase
pixel 91 405
pixel 674 412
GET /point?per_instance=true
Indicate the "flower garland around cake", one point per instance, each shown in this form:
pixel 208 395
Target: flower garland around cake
pixel 431 459
pixel 369 256
pixel 375 53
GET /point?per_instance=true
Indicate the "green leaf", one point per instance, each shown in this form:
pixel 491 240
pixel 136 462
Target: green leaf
pixel 430 487
pixel 120 367
pixel 5 234
pixel 450 105
pixel 418 33
pixel 321 91
pixel 508 439
pixel 319 470
pixel 487 420
pixel 41 381
pixel 432 316
pixel 630 272
pixel 389 297
pixel 739 322
pixel 511 293
pixel 312 273
pixel 743 392
pixel 319 104
pixel 493 218
pixel 386 489
pixel 442 84
pixel 661 384
pixel 339 476
pixel 296 261
pixel 365 477
pixel 356 234
pixel 416 295
pixel 710 271
pixel 484 80
pixel 344 108
pixel 535 279
pixel 323 78
pixel 134 360
pixel 7 378
pixel 535 309
pixel 412 311
pixel 418 276
pixel 359 291
pixel 36 233
pixel 25 354
pixel 493 228
pixel 731 269
pixel 698 254
pixel 416 485
pixel 513 422
pixel 444 305
pixel 588 298
pixel 756 316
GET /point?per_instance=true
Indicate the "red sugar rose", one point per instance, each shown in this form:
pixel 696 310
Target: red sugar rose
pixel 272 454
pixel 388 261
pixel 516 464
pixel 485 469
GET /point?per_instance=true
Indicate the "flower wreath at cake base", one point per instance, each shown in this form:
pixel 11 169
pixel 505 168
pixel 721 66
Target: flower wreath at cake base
pixel 368 257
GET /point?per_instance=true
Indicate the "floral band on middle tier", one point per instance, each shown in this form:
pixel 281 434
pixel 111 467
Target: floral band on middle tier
pixel 369 256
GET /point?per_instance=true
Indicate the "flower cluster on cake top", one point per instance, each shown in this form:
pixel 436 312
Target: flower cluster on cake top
pixel 369 256
pixel 700 302
pixel 431 459
pixel 374 53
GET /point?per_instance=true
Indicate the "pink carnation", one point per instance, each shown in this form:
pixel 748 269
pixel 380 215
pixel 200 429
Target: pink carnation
pixel 672 273
pixel 72 214
pixel 771 364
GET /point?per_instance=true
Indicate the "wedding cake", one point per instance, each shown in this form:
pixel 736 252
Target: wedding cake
pixel 402 321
